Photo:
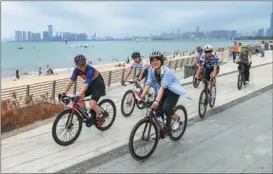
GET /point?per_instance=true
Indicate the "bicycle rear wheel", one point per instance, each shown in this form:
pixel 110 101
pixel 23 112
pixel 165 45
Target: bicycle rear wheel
pixel 203 102
pixel 144 136
pixel 177 134
pixel 69 124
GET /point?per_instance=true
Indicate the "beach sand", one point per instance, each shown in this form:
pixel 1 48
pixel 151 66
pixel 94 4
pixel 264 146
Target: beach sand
pixel 37 79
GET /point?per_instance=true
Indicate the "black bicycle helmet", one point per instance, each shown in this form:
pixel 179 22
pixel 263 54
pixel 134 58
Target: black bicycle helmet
pixel 199 48
pixel 135 55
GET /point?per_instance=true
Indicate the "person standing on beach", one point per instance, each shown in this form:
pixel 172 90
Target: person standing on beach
pixel 93 85
pixel 234 50
pixel 40 71
pixel 138 64
pixel 17 74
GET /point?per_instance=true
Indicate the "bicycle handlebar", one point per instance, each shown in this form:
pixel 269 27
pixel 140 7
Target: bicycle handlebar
pixel 66 99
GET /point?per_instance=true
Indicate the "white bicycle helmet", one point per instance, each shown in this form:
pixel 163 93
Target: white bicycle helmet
pixel 208 48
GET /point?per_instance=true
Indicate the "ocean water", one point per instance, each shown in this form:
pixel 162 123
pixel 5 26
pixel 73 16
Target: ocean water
pixel 59 55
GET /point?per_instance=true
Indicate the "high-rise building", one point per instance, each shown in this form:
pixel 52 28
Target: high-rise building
pixel 261 32
pixel 29 36
pixel 24 36
pixel 50 32
pixel 45 35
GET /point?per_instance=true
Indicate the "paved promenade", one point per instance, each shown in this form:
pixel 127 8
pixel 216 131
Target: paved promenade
pixel 36 151
pixel 238 140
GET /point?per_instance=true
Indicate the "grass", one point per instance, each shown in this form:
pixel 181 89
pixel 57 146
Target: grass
pixel 16 113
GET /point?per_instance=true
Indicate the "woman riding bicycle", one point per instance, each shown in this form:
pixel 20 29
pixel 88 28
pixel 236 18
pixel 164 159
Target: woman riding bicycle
pixel 167 87
pixel 93 85
pixel 245 60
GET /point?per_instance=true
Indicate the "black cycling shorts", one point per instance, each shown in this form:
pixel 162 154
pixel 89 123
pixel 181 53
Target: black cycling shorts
pixel 208 71
pixel 96 89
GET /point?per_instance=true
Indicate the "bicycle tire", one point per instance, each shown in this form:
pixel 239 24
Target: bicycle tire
pixel 114 114
pixel 123 103
pixel 185 123
pixel 239 81
pixel 131 139
pixel 54 133
pixel 205 104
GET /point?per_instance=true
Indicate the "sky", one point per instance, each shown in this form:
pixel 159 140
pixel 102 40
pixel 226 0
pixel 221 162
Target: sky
pixel 131 18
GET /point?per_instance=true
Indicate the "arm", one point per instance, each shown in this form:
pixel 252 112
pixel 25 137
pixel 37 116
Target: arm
pixel 215 66
pixel 71 81
pixel 130 71
pixel 160 94
pixel 88 81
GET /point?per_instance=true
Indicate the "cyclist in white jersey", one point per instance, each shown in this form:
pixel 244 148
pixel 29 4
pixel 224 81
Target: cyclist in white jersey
pixel 139 64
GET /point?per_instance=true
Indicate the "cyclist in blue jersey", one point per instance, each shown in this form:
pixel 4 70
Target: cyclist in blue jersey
pixel 210 63
pixel 93 84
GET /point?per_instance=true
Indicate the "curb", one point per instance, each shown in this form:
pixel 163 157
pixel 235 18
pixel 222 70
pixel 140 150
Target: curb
pixel 123 150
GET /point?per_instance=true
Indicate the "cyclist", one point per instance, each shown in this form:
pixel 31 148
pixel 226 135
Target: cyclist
pixel 244 59
pixel 138 64
pixel 93 85
pixel 167 88
pixel 210 63
pixel 199 55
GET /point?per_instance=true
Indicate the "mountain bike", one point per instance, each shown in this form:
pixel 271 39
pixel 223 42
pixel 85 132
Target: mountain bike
pixel 161 128
pixel 77 116
pixel 206 98
pixel 129 98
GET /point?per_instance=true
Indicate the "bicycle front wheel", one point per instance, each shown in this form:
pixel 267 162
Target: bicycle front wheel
pixel 149 137
pixel 67 133
pixel 203 101
pixel 240 81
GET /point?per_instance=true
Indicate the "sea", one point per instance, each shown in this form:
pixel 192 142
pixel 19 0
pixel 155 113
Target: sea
pixel 27 57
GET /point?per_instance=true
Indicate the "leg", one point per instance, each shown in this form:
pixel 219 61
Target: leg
pixel 246 70
pixel 167 108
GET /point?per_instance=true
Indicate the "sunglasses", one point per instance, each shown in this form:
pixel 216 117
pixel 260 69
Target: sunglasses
pixel 208 51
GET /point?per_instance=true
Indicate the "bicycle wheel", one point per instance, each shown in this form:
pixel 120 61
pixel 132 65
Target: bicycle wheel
pixel 177 134
pixel 195 81
pixel 129 95
pixel 240 81
pixel 203 103
pixel 68 127
pixel 105 123
pixel 212 100
pixel 141 137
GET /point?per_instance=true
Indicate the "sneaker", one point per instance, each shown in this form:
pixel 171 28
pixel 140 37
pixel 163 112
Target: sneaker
pixel 175 124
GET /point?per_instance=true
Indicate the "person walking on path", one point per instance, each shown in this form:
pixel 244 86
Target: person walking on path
pixel 262 49
pixel 234 50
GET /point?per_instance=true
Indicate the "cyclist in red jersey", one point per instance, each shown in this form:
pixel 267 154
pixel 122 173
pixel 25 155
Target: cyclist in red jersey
pixel 93 85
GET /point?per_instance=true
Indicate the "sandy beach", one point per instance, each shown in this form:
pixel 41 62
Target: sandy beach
pixel 36 79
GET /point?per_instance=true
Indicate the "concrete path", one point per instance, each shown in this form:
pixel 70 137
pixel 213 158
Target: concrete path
pixel 35 150
pixel 238 140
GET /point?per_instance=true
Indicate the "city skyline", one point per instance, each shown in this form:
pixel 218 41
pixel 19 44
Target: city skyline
pixel 119 19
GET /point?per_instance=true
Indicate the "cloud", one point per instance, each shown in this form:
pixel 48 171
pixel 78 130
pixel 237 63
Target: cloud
pixel 126 18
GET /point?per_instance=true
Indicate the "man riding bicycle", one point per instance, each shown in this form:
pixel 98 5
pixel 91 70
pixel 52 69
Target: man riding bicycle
pixel 138 64
pixel 93 84
pixel 210 63
pixel 199 55
pixel 245 60
pixel 167 87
